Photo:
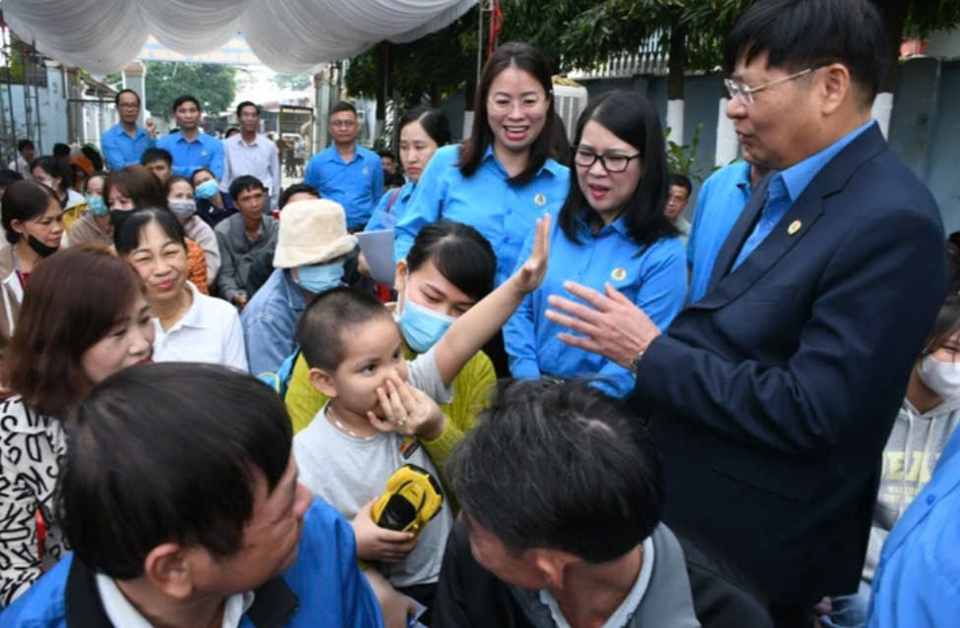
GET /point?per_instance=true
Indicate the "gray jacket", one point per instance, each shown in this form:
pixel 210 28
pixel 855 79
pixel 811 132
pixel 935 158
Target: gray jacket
pixel 238 253
pixel 667 602
pixel 912 452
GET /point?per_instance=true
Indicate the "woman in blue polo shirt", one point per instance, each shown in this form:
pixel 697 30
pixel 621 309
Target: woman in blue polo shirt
pixel 611 229
pixel 422 131
pixel 501 179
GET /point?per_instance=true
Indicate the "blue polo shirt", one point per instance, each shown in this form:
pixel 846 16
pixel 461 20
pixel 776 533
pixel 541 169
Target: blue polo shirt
pixel 654 277
pixel 722 197
pixel 503 212
pixel 917 582
pixel 383 219
pixel 119 149
pixel 204 151
pixel 357 185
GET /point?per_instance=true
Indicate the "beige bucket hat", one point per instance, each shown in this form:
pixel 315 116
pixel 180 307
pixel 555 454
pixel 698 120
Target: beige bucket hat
pixel 312 232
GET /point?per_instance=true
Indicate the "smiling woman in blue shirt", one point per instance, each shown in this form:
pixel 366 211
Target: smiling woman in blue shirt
pixel 611 230
pixel 501 179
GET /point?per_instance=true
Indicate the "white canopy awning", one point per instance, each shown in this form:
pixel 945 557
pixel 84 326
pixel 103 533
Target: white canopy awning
pixel 291 36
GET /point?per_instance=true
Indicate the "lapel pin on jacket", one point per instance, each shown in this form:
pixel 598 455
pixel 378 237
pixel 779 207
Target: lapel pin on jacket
pixel 540 200
pixel 794 227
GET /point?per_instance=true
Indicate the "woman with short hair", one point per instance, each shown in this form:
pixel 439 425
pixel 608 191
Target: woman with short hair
pixel 84 317
pixel 134 187
pixel 189 326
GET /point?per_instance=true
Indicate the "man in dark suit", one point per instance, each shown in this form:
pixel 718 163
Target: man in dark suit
pixel 775 393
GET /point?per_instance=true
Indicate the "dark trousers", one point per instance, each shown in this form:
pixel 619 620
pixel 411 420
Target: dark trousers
pixel 792 615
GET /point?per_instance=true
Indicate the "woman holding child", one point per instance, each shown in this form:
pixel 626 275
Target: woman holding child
pixel 378 404
pixel 449 268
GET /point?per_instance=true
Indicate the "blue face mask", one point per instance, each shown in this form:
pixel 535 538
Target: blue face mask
pixel 422 327
pixel 206 190
pixel 97 206
pixel 321 277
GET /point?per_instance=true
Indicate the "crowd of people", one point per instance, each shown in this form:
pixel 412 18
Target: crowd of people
pixel 749 420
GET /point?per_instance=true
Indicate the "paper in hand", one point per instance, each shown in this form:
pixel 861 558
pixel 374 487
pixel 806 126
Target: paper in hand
pixel 377 247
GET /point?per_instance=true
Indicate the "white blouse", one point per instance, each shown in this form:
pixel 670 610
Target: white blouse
pixel 209 332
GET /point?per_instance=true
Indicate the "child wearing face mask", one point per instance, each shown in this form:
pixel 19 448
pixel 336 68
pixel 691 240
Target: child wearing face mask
pixel 928 417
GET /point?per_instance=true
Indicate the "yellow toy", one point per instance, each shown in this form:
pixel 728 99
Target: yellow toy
pixel 411 500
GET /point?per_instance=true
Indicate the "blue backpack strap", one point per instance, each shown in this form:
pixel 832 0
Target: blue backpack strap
pixel 280 381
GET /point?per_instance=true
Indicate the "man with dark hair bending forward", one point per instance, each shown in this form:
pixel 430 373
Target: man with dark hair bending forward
pixel 578 539
pixel 178 517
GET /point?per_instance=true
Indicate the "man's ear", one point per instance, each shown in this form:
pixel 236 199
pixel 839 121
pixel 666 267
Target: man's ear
pixel 169 570
pixel 835 87
pixel 324 382
pixel 552 565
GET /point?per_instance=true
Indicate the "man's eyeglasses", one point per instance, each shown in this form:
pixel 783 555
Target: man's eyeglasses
pixel 611 162
pixel 342 123
pixel 745 94
pixel 128 105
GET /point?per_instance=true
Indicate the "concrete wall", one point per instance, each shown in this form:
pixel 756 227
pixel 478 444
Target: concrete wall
pixel 943 164
pixel 52 112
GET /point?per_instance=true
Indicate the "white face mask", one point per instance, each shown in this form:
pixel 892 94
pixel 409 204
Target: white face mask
pixel 942 378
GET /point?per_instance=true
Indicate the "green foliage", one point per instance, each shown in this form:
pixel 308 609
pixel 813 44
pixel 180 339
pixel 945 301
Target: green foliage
pixel 682 158
pixel 296 82
pixel 213 85
pixel 579 34
pixel 432 67
pixel 114 79
pixel 928 15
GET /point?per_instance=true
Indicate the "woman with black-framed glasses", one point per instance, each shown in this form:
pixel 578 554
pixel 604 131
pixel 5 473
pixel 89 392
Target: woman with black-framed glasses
pixel 611 230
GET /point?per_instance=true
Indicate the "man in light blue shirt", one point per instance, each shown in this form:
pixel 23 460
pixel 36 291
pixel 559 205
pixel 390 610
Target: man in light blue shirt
pixel 346 172
pixel 124 143
pixel 917 583
pixel 192 148
pixel 251 152
pixel 722 197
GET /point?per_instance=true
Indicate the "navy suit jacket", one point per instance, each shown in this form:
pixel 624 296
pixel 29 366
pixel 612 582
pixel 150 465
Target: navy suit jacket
pixel 771 399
